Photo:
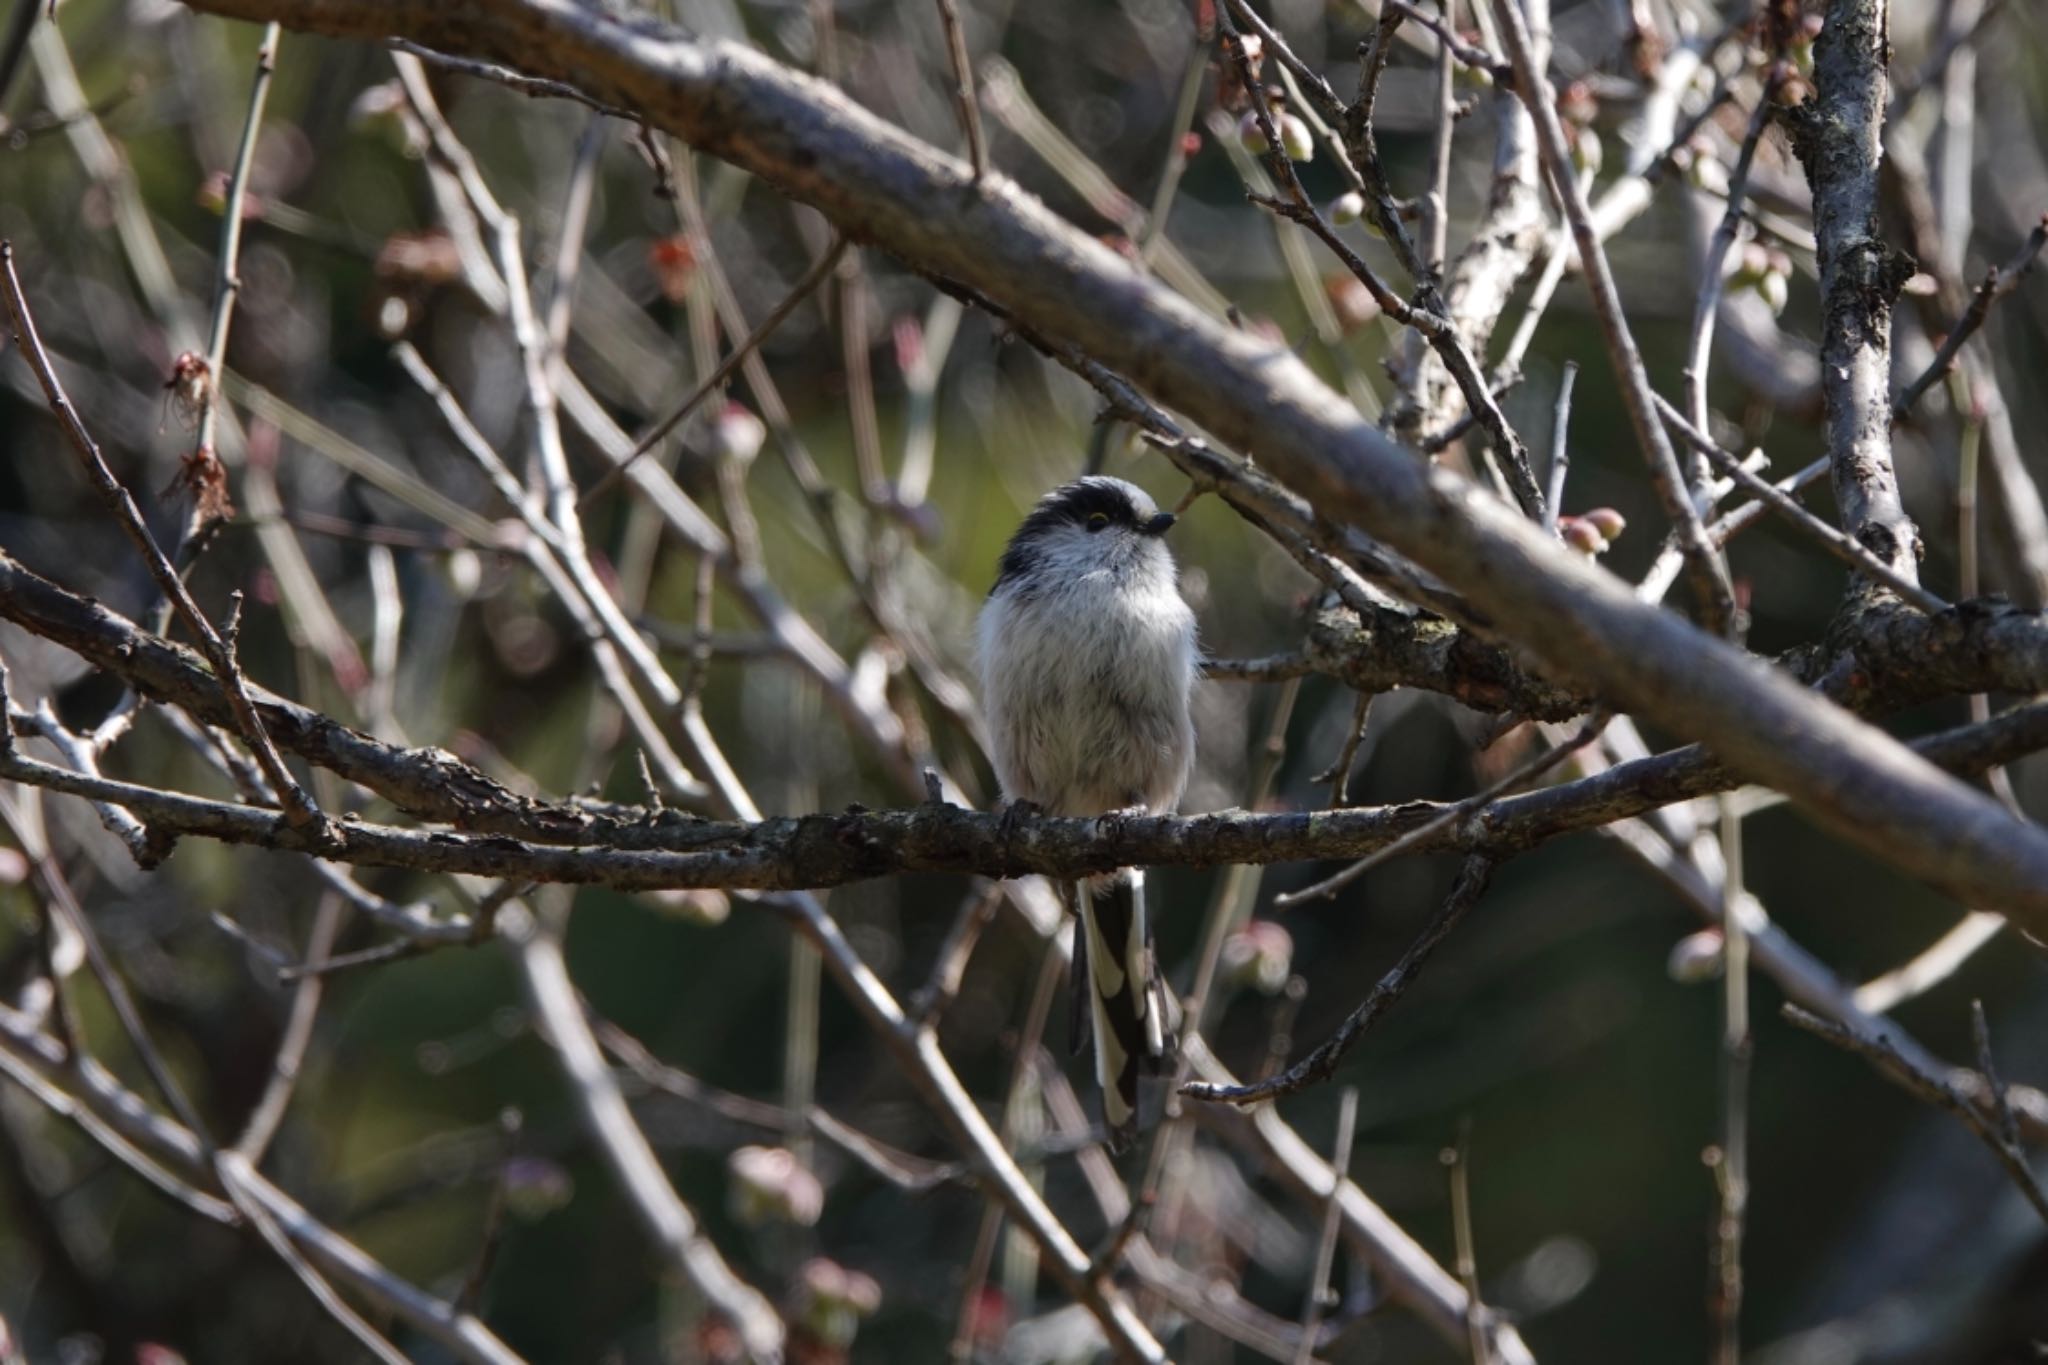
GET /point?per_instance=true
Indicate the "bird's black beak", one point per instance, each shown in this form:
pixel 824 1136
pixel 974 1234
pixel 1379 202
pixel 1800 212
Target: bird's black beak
pixel 1159 524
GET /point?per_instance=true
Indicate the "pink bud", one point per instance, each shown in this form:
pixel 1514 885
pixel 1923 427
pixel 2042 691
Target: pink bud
pixel 1608 522
pixel 738 434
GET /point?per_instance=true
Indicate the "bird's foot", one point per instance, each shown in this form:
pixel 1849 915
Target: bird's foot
pixel 1014 817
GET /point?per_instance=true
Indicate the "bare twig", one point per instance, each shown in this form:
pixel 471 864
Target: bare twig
pixel 1731 1165
pixel 1320 1290
pixel 533 87
pixel 1709 575
pixel 1458 1157
pixel 1270 668
pixel 1449 816
pixel 235 1171
pixel 227 276
pixel 827 261
pixel 963 87
pixel 1932 1089
pixel 298 807
pixel 1998 282
pixel 1560 447
pixel 1837 543
pixel 1478 58
pixel 1320 1064
pixel 1932 965
pixel 264 1119
pixel 666 1219
pixel 1700 350
pixel 1338 774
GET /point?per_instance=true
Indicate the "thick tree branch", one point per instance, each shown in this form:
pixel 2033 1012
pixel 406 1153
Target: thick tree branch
pixel 1837 134
pixel 880 185
pixel 817 851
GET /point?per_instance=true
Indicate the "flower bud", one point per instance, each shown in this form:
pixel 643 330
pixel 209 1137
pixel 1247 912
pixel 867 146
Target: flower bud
pixel 831 1300
pixel 1351 301
pixel 535 1187
pixel 1581 535
pixel 1747 266
pixel 1587 153
pixel 1259 956
pixel 1295 139
pixel 770 1185
pixel 1695 958
pixel 1347 208
pixel 464 571
pixel 737 434
pixel 1776 290
pixel 705 906
pixel 1608 522
pixel 1577 104
pixel 1707 173
pixel 1251 136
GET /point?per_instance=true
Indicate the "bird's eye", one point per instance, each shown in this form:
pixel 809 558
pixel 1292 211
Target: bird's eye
pixel 1097 520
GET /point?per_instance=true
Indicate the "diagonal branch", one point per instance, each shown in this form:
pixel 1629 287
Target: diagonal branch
pixel 882 186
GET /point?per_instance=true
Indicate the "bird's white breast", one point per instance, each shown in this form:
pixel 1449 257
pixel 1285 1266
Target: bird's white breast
pixel 1086 673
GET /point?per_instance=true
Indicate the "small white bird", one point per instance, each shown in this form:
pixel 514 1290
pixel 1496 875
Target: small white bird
pixel 1087 660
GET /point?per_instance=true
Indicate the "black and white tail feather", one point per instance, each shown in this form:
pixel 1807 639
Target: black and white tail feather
pixel 1113 974
pixel 1088 658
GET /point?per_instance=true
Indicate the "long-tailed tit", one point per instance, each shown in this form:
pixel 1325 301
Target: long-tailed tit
pixel 1087 659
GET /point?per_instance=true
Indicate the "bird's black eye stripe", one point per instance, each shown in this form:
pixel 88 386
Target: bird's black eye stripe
pixel 1092 504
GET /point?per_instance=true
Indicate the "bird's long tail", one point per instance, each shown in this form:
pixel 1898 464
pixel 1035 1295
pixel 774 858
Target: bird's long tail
pixel 1124 1008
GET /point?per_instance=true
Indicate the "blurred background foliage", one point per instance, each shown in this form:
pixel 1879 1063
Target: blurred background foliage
pixel 1587 1075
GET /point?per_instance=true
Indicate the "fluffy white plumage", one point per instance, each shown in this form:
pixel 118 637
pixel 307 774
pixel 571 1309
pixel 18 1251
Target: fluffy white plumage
pixel 1088 657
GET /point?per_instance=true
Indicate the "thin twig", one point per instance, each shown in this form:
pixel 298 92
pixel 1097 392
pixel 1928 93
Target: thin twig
pixel 264 1119
pixel 1709 575
pixel 1980 1033
pixel 227 270
pixel 533 87
pixel 1451 815
pixel 1471 883
pixel 736 358
pixel 671 1225
pixel 963 87
pixel 298 806
pixel 1338 774
pixel 1836 542
pixel 1478 58
pixel 1932 965
pixel 949 968
pixel 1699 351
pixel 1458 1158
pixel 1560 447
pixel 1270 668
pixel 1731 1167
pixel 234 1170
pixel 1320 1291
pixel 1997 283
pixel 1436 205
pixel 1931 1089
